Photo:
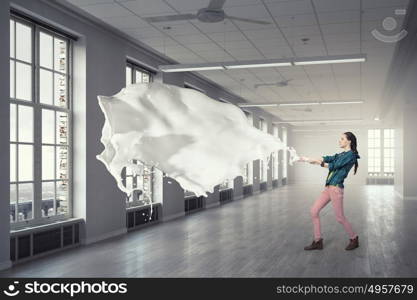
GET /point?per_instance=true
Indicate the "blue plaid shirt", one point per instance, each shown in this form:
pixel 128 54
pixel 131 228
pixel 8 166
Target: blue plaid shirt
pixel 339 166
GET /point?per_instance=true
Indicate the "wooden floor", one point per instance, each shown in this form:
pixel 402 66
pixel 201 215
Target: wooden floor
pixel 260 236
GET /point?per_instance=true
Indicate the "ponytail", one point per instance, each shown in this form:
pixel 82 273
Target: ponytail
pixel 353 145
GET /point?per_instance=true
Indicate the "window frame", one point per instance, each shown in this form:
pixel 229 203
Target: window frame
pixel 37 107
pixel 391 149
pixel 285 153
pixel 228 183
pixel 275 161
pixel 263 167
pixel 130 201
pixel 248 169
pixel 382 150
pixel 136 67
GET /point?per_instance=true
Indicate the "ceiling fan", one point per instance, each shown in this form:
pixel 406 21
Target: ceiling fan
pixel 282 83
pixel 213 13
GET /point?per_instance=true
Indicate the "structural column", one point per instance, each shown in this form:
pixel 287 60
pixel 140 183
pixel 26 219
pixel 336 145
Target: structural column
pixel 4 137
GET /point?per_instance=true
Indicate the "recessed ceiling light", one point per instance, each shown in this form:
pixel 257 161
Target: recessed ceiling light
pixel 376 119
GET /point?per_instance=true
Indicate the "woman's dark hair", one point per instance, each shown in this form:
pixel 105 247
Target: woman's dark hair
pixel 353 145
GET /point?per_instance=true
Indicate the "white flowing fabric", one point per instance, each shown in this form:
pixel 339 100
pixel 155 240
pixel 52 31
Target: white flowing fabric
pixel 198 141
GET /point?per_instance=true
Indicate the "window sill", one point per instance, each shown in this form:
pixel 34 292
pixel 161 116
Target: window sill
pixel 130 208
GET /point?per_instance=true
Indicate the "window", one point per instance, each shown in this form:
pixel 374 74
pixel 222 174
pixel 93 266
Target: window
pixel 388 152
pixel 188 193
pixel 263 168
pixel 227 184
pixel 275 173
pixel 285 160
pixel 141 182
pixel 247 178
pixel 381 152
pixel 136 74
pixel 40 123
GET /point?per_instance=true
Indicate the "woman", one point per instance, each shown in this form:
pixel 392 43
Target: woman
pixel 339 166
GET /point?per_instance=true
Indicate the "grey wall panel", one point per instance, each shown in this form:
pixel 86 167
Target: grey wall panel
pixel 4 136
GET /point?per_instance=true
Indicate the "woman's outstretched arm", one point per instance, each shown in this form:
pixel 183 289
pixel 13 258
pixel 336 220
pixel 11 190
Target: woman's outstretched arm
pixel 314 161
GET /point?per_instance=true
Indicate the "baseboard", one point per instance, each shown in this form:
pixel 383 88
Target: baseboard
pixel 172 217
pixel 5 264
pixel 212 204
pixel 105 236
pixel 398 194
pixel 405 197
pixel 238 197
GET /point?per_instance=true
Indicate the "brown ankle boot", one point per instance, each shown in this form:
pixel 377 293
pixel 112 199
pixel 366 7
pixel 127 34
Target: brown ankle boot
pixel 353 243
pixel 315 245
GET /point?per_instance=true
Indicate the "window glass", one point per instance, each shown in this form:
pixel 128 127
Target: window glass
pixel 25 201
pixel 60 55
pixel 13 162
pixel 25 156
pixel 23 81
pixel 13 122
pixel 48 126
pixel 12 79
pixel 25 130
pixel 62 197
pixel 48 162
pixel 45 50
pixel 62 163
pixel 128 75
pixel 23 42
pixel 13 201
pixel 45 86
pixel 62 128
pixel 284 140
pixel 48 197
pixel 12 38
pixel 60 90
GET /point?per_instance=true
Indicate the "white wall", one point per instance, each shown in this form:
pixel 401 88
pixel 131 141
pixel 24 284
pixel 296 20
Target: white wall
pixel 316 142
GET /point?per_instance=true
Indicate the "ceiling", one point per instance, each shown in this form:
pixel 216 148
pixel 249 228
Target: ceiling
pixel 332 27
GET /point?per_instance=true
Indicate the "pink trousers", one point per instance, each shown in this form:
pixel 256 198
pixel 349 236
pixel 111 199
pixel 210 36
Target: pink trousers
pixel 335 195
